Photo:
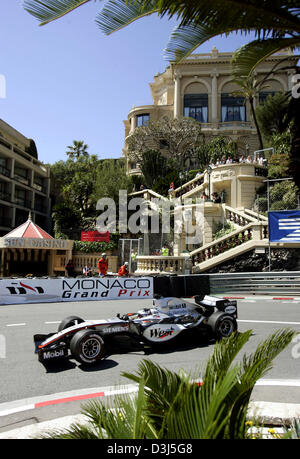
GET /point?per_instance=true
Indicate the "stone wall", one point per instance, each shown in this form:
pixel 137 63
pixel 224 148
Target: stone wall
pixel 281 260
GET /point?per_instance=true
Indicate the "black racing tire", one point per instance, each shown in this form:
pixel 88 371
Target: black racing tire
pixel 87 346
pixel 222 325
pixel 69 322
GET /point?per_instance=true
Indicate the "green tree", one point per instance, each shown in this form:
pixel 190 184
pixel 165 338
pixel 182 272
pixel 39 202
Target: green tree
pixel 272 114
pixel 158 171
pixel 175 138
pixel 171 405
pixel 77 150
pixel 110 178
pixel 215 148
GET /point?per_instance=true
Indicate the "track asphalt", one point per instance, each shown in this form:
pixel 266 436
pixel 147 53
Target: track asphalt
pixel 274 414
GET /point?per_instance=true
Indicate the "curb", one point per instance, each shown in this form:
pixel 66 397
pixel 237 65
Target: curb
pixel 269 414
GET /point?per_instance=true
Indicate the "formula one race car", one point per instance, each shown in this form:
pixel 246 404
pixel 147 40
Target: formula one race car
pixel 169 317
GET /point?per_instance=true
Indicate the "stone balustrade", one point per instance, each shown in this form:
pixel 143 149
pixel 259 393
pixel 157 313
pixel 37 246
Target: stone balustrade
pixel 80 260
pixel 251 232
pixel 160 264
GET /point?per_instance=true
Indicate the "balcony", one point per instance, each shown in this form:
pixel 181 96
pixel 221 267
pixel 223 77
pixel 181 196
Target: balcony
pixel 4 196
pixel 40 207
pixel 40 188
pixel 21 179
pixel 6 222
pixel 23 202
pixel 4 171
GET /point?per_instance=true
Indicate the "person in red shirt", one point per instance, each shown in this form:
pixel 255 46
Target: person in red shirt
pixel 124 271
pixel 103 265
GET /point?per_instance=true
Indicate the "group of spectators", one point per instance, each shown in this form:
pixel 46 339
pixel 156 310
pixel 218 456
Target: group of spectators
pixel 102 266
pixel 260 160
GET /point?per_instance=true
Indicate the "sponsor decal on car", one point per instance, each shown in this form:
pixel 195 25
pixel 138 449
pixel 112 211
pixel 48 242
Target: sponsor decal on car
pixel 230 309
pixel 53 354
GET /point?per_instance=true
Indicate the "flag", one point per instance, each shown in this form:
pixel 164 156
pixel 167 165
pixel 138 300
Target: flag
pixel 284 226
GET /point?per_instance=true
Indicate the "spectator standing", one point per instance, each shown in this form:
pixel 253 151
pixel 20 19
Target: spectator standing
pixel 103 265
pixel 133 260
pixel 70 268
pixel 165 251
pixel 216 198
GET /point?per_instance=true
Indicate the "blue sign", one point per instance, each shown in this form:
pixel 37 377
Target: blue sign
pixel 284 226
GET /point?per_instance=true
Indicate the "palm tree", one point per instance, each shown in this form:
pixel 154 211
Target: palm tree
pixel 77 150
pixel 250 87
pixel 171 405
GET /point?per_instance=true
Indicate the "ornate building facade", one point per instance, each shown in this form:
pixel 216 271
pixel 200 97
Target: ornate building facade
pixel 202 87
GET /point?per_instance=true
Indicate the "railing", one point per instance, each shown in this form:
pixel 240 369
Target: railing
pixel 81 260
pixel 237 217
pixel 4 171
pixel 160 264
pixel 249 232
pixel 273 283
pixel 188 186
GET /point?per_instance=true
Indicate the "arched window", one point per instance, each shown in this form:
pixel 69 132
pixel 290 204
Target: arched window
pixel 233 108
pixel 196 106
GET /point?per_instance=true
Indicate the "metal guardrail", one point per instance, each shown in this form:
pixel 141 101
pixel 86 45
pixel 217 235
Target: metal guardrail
pixel 266 283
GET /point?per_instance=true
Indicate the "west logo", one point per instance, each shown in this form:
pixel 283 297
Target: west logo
pixel 159 333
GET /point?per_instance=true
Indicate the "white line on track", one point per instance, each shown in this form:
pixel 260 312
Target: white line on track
pixel 53 322
pixel 269 322
pixel 16 325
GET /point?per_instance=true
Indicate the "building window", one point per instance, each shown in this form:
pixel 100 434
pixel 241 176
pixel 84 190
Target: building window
pixel 196 106
pixel 233 108
pixel 142 120
pixel 264 94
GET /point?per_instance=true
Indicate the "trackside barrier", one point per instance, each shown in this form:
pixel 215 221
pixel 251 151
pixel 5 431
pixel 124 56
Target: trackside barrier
pixel 273 283
pixel 50 290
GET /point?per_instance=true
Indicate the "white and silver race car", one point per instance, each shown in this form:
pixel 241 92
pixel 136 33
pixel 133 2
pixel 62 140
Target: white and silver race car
pixel 168 317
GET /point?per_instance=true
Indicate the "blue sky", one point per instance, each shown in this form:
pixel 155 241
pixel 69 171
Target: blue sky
pixel 67 81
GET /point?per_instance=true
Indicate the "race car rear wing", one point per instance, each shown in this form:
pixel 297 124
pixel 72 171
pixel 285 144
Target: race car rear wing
pixel 215 302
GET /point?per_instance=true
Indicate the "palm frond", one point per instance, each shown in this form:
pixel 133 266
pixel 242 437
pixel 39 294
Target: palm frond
pixel 185 39
pixel 253 368
pixel 249 56
pixel 117 14
pixel 224 353
pixel 50 10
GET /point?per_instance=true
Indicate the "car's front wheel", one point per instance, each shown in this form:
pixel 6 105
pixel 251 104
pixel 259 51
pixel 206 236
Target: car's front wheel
pixel 87 346
pixel 69 322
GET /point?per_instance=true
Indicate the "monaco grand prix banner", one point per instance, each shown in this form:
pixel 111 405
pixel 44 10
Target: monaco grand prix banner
pixel 18 291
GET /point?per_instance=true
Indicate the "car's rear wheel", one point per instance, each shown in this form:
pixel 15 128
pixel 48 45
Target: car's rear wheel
pixel 222 325
pixel 69 322
pixel 87 346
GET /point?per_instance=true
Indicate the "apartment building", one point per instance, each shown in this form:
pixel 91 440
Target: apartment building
pixel 24 182
pixel 202 87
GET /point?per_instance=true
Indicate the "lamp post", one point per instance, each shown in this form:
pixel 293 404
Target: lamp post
pixel 209 171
